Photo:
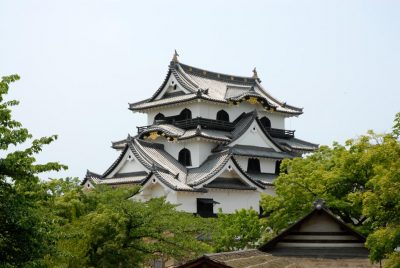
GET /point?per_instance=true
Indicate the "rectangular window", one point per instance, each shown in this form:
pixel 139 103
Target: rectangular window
pixel 205 207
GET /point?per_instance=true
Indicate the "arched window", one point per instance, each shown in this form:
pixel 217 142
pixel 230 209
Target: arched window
pixel 184 157
pixel 158 117
pixel 185 114
pixel 265 122
pixel 223 116
pixel 253 165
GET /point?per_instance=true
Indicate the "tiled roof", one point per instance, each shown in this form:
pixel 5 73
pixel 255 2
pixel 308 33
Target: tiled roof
pixel 254 151
pixel 122 179
pixel 213 164
pixel 257 259
pixel 125 180
pixel 168 129
pixel 295 144
pixel 152 155
pixel 264 178
pixel 172 181
pixel 211 86
pixel 243 124
pixel 229 183
pixel 319 239
pixel 233 91
pixel 206 133
pixel 157 156
pixel 181 134
pixel 172 100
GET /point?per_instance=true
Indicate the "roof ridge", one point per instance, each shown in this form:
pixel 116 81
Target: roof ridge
pixel 283 104
pixel 185 75
pixel 216 75
pixel 92 174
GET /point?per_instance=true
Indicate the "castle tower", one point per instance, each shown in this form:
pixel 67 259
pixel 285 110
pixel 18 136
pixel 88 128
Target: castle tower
pixel 212 141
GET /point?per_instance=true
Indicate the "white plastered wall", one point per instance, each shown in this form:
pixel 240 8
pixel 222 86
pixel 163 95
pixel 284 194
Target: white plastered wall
pixel 199 149
pixel 229 200
pixel 210 110
pixel 88 185
pixel 254 136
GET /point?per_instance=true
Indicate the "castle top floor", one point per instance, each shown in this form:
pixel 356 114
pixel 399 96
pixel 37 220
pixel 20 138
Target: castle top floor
pixel 205 94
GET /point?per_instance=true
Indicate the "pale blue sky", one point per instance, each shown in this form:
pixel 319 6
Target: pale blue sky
pixel 81 62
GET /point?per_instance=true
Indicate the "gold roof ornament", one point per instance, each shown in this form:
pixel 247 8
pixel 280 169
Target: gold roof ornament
pixel 175 57
pixel 153 135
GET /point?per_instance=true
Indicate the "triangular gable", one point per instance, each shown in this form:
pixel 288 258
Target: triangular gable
pixel 172 87
pixel 126 163
pixel 152 187
pixel 256 135
pixel 232 170
pixel 319 233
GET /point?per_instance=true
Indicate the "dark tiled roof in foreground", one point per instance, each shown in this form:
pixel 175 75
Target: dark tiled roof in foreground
pixel 258 259
pixel 214 87
pixel 310 242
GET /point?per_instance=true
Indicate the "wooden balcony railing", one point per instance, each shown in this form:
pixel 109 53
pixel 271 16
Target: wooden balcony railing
pixel 205 123
pixel 193 123
pixel 280 133
pixel 217 125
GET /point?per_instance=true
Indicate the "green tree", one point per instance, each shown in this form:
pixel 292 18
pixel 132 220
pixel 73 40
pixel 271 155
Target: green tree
pixel 24 232
pixel 360 182
pixel 104 228
pixel 396 126
pixel 381 204
pixel 240 230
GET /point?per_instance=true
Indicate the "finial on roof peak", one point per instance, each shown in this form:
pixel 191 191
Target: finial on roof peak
pixel 319 204
pixel 255 75
pixel 175 57
pixel 198 129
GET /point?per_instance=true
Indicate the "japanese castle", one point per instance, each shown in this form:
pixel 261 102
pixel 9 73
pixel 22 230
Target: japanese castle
pixel 212 141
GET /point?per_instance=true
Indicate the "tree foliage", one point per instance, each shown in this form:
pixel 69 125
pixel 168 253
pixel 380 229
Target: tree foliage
pixel 104 228
pixel 24 231
pixel 360 182
pixel 55 224
pixel 396 126
pixel 240 230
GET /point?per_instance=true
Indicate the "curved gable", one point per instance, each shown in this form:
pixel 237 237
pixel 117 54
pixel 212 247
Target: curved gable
pixel 255 135
pixel 127 163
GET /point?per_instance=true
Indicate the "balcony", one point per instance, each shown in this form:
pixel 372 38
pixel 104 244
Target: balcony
pixel 280 133
pixel 205 123
pixel 215 124
pixel 193 123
